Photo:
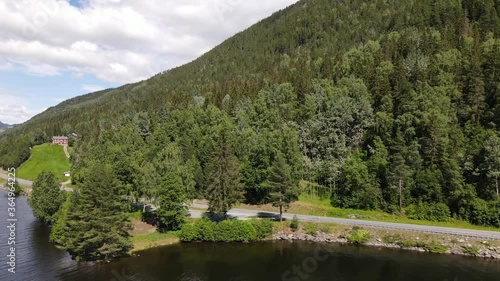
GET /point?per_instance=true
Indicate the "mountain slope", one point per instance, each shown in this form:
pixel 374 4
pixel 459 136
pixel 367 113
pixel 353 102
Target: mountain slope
pixel 307 31
pixel 384 104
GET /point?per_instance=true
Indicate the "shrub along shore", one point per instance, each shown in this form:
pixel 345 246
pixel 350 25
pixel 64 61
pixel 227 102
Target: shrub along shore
pixel 226 231
pixel 204 230
pixel 389 238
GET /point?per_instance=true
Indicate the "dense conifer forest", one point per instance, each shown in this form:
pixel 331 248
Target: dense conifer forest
pixel 385 104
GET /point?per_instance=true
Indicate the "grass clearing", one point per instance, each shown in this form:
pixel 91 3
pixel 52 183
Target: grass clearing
pixel 321 207
pixel 145 236
pixel 45 158
pixel 154 239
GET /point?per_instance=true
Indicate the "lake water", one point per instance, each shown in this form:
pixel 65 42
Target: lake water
pixel 38 260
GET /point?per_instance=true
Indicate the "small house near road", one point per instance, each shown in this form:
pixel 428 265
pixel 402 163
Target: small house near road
pixel 67 174
pixel 59 140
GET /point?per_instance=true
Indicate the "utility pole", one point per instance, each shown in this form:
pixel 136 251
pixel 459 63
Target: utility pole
pixel 400 194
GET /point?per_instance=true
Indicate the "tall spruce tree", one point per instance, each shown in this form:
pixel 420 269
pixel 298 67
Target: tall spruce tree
pixel 283 191
pixel 97 225
pixel 492 160
pixel 46 197
pixel 172 212
pixel 224 188
pixel 398 168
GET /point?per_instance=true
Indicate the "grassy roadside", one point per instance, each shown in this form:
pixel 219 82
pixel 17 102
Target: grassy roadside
pixel 45 157
pixel 145 236
pixel 322 207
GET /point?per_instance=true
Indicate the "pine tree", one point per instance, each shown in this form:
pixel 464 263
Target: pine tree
pixel 96 225
pixel 492 160
pixel 46 197
pixel 280 182
pixel 58 229
pixel 224 188
pixel 143 125
pixel 399 168
pixel 172 212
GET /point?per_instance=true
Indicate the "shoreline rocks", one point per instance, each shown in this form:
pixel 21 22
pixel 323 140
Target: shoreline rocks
pixel 484 251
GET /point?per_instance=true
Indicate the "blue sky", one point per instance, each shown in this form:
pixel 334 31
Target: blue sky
pixel 38 93
pixel 53 50
pixel 75 3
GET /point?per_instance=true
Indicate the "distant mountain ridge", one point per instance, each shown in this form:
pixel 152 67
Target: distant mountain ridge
pixel 4 127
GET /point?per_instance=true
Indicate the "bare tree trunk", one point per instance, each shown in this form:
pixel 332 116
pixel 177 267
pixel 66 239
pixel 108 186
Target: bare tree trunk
pixel 400 195
pixel 496 183
pixel 281 210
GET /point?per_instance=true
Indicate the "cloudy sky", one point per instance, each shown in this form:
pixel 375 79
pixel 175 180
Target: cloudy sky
pixel 52 50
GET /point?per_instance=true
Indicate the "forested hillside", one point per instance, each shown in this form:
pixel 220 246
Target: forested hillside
pixel 385 104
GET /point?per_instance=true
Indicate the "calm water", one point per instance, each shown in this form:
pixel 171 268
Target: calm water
pixel 39 260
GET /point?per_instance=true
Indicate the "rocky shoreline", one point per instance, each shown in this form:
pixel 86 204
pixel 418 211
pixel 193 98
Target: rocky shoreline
pixel 459 247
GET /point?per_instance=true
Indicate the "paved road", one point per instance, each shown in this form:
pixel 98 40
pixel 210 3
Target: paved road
pixel 30 183
pixel 65 148
pixel 245 214
pixel 20 181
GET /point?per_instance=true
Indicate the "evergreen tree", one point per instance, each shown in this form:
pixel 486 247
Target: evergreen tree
pixel 357 188
pixel 149 181
pixel 224 188
pixel 58 231
pixel 399 169
pixel 143 126
pixel 283 191
pixel 46 197
pixel 97 225
pixel 492 160
pixel 172 212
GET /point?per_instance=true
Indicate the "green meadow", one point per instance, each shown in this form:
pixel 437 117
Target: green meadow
pixel 45 158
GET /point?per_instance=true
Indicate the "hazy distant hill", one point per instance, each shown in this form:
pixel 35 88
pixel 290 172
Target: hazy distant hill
pixel 4 127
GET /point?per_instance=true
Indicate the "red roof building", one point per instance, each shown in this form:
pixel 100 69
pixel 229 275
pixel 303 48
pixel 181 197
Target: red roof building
pixel 59 140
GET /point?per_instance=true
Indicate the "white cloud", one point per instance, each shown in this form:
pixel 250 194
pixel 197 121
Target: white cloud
pixel 13 110
pixel 84 46
pixel 119 41
pixel 17 114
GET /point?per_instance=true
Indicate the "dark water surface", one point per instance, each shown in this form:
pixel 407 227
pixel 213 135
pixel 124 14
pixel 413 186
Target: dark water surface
pixel 39 260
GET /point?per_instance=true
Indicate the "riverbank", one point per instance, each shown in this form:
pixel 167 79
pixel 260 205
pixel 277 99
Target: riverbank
pixel 4 186
pixel 145 236
pixel 394 239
